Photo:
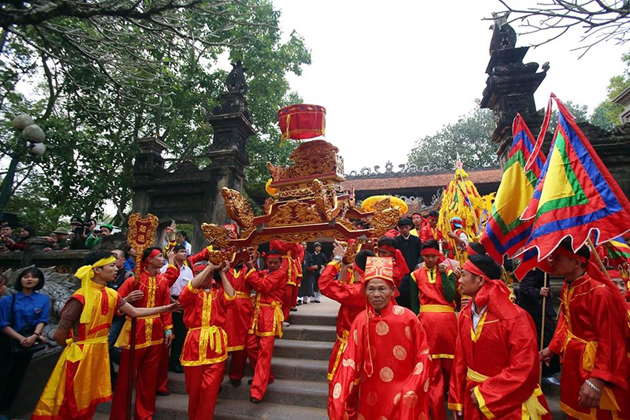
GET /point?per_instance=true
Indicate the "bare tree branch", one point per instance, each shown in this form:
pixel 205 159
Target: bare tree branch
pixel 600 21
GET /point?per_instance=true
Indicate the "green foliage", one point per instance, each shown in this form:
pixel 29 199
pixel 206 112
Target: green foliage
pixel 607 113
pixel 579 112
pixel 142 83
pixel 470 136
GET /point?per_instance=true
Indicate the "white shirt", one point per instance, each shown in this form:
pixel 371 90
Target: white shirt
pixel 185 275
pixel 475 317
pixel 188 247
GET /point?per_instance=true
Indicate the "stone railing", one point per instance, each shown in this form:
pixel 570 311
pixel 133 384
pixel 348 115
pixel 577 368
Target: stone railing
pixel 65 262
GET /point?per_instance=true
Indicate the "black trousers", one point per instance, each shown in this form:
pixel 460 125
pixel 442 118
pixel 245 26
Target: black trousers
pixel 179 331
pixel 11 376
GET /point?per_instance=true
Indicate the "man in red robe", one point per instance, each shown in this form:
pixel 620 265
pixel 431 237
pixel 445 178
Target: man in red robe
pixel 205 304
pixel 291 264
pixel 152 334
pixel 267 319
pixel 350 295
pixel 436 297
pixel 496 365
pixel 430 231
pixel 386 248
pixel 591 337
pixel 385 370
pixel 239 318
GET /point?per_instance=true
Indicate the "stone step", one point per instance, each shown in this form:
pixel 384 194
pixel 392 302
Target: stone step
pixel 289 368
pixel 311 333
pixel 282 391
pixel 175 407
pixel 298 349
pixel 313 319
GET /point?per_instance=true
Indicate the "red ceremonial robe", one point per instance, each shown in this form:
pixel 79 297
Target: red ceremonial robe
pixel 440 325
pixel 498 361
pixel 591 338
pixel 205 348
pixel 239 318
pixel 149 344
pixel 265 326
pixel 386 373
pixel 292 266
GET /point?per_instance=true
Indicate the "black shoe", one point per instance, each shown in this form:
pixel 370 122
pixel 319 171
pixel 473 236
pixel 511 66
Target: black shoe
pixel 250 381
pixel 254 400
pixel 235 382
pixel 178 368
pixel 220 389
pixel 163 393
pixel 294 309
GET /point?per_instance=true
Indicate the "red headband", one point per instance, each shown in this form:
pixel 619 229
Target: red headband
pixel 269 256
pixel 563 252
pixel 152 254
pixel 387 248
pixel 616 274
pixel 430 251
pixel 470 250
pixel 472 268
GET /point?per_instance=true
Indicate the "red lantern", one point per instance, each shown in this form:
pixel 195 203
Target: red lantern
pixel 302 121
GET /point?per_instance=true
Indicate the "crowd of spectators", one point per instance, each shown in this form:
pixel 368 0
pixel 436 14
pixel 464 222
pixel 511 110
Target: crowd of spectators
pixel 81 235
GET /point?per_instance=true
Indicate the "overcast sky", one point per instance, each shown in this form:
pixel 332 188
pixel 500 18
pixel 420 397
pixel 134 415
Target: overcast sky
pixel 389 73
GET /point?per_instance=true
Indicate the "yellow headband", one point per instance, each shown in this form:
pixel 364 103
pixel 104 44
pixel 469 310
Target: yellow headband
pixel 86 274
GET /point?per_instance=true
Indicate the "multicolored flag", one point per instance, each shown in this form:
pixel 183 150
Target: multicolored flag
pixel 576 195
pixel 615 253
pixel 505 233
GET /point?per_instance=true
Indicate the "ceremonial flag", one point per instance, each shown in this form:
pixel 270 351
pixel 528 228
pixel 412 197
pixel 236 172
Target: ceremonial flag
pixel 615 252
pixel 575 196
pixel 505 233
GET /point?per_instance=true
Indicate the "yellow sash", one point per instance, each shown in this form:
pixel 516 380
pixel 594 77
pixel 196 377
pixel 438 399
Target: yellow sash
pixel 241 295
pixel 210 336
pixel 607 401
pixel 278 318
pixel 436 308
pixel 342 348
pixel 531 408
pixel 125 335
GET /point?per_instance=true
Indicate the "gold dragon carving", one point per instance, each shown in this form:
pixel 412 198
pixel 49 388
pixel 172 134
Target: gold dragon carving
pixel 323 200
pixel 237 207
pixel 217 236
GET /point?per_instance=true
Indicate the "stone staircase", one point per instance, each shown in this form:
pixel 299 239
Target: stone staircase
pixel 299 365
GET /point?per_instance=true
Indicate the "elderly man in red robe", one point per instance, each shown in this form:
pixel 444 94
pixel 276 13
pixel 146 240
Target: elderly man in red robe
pixel 267 319
pixel 591 337
pixel 436 298
pixel 385 371
pixel 496 365
pixel 350 295
pixel 205 304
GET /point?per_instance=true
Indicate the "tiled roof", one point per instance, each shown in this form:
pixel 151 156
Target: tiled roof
pixel 413 181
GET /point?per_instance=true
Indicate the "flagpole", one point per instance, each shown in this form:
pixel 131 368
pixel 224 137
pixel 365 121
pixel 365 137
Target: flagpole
pixel 542 329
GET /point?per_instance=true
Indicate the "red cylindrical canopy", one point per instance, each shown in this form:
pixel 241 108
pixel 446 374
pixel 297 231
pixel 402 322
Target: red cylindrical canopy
pixel 302 121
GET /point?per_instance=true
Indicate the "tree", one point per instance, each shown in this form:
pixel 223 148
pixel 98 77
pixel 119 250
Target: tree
pixel 158 83
pixel 470 136
pixel 600 20
pixel 607 113
pixel 579 112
